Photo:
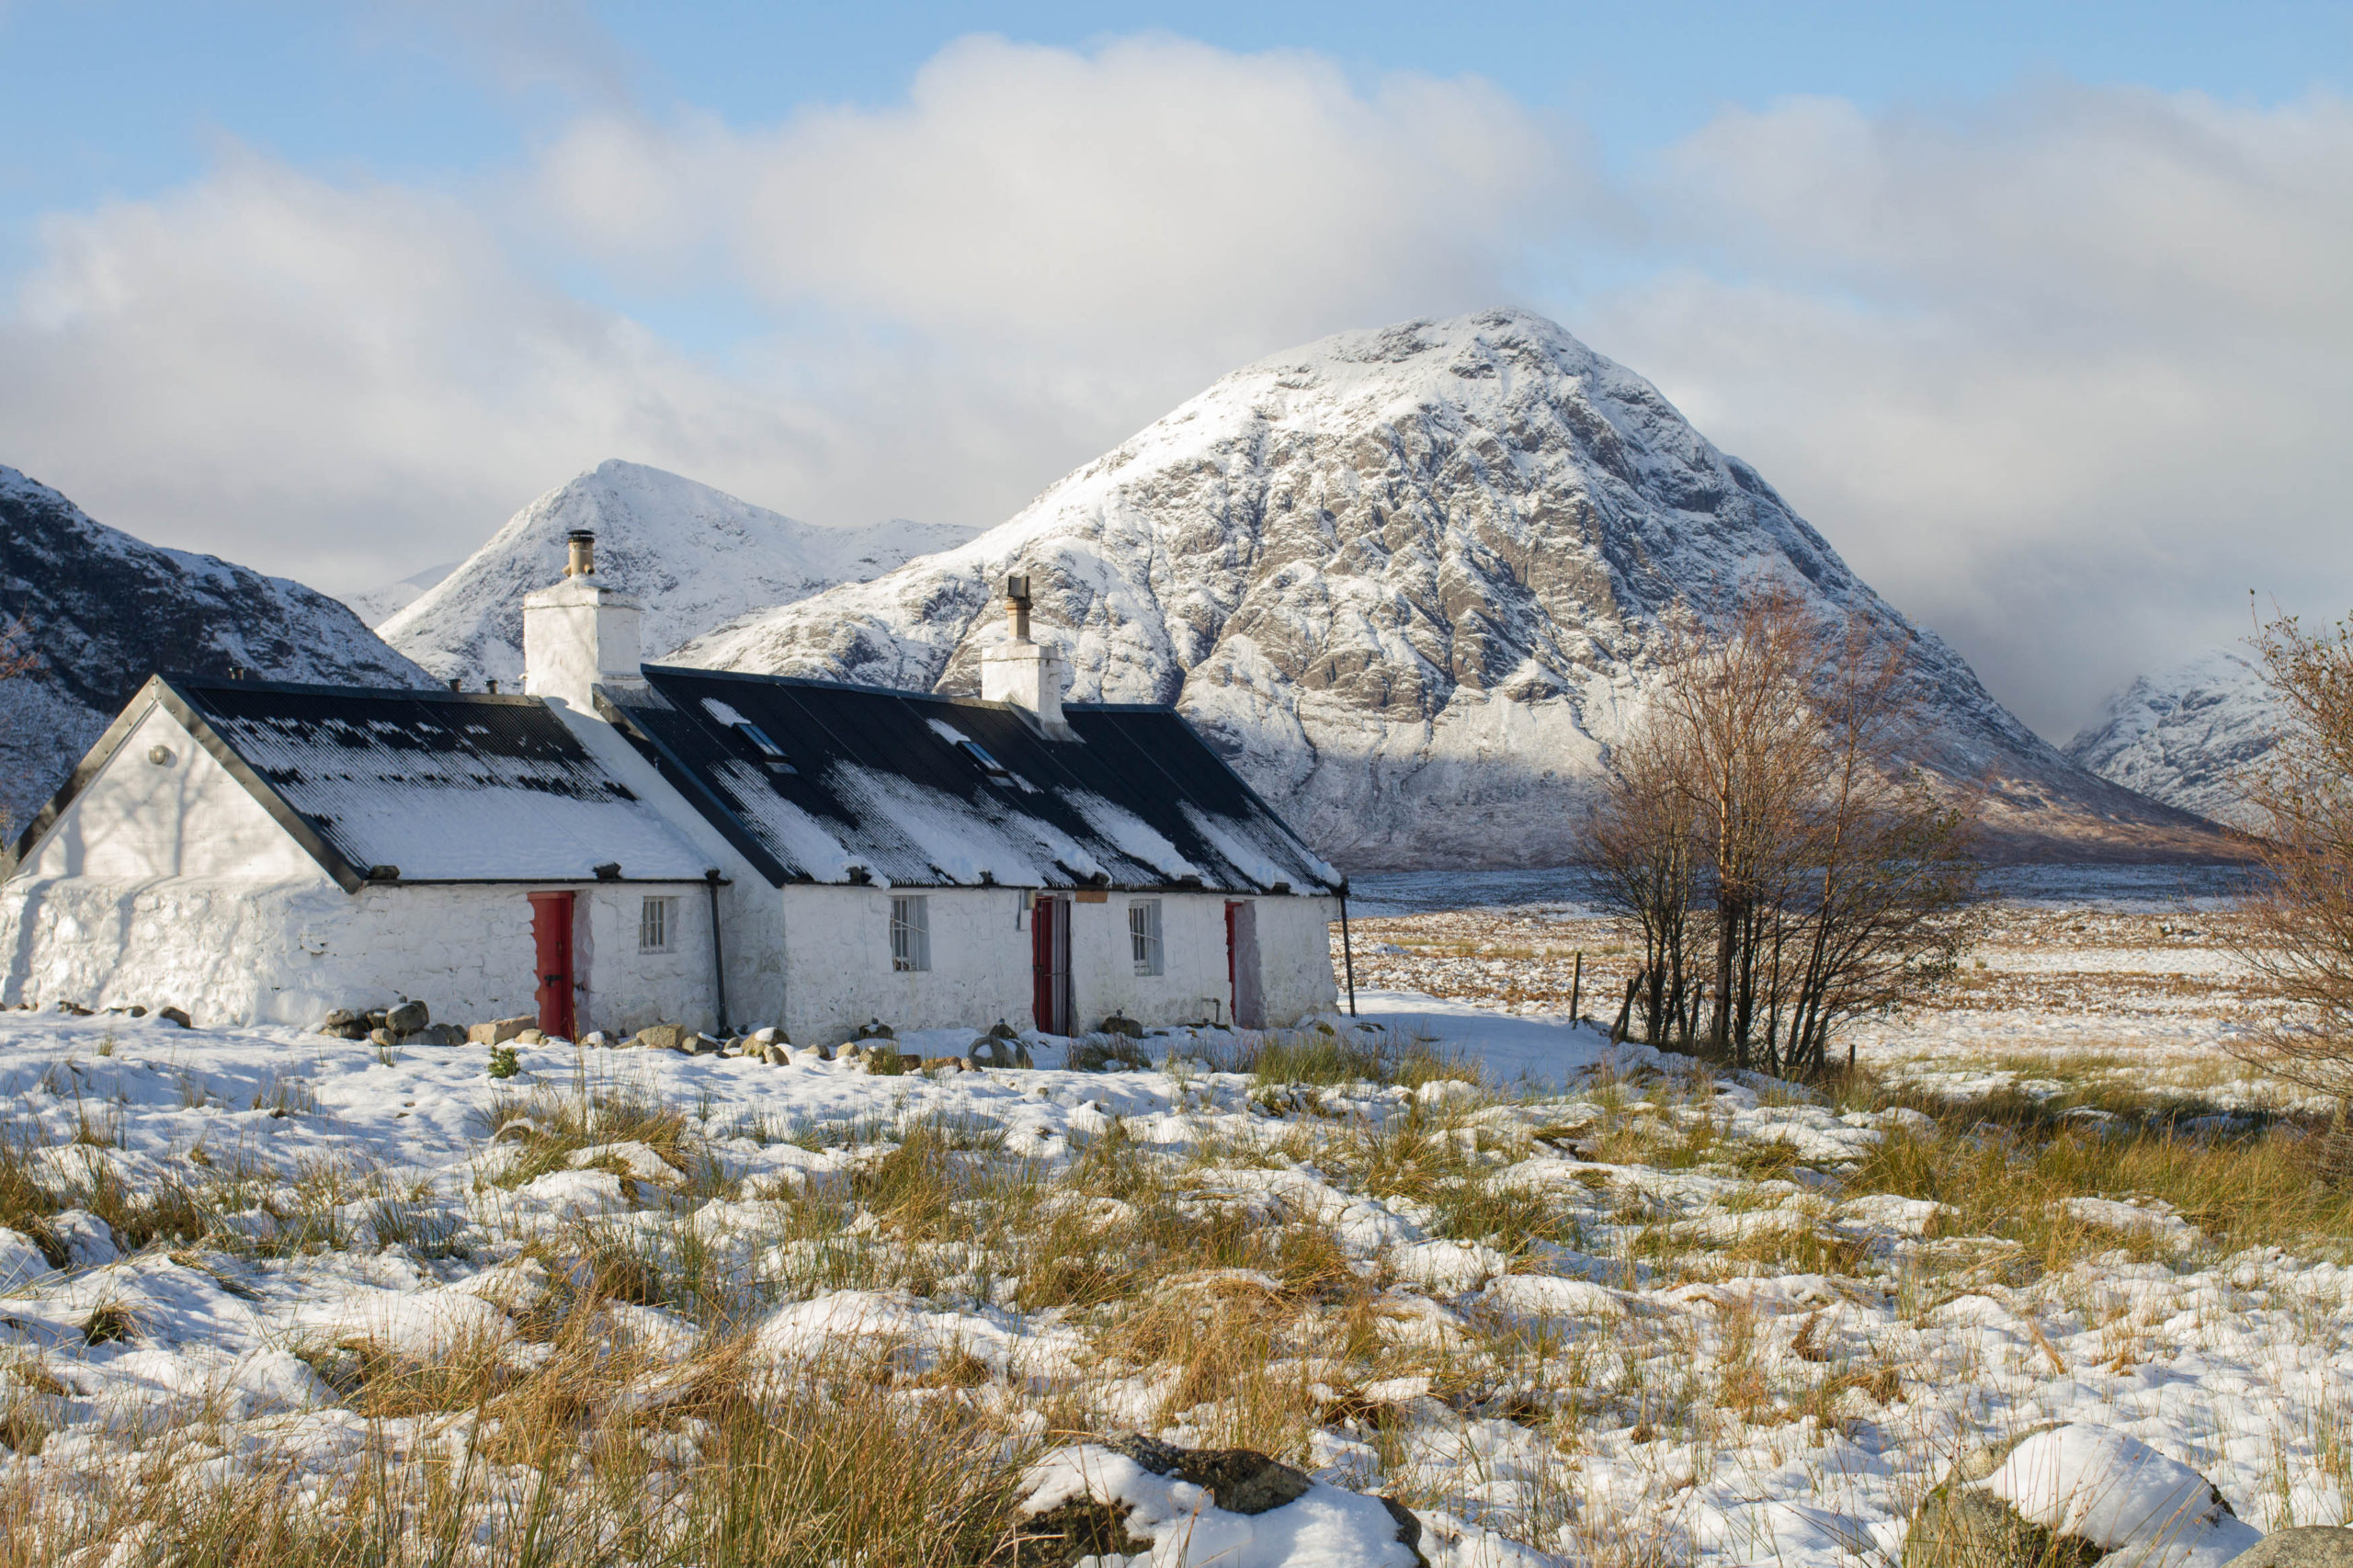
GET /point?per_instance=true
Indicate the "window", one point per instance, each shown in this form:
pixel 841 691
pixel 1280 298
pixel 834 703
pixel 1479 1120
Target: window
pixel 770 753
pixel 1144 936
pixel 910 936
pixel 657 922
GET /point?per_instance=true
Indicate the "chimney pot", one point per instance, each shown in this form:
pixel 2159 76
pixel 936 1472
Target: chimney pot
pixel 583 545
pixel 1016 605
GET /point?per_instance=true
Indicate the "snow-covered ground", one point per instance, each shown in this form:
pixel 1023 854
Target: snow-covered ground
pixel 1567 1302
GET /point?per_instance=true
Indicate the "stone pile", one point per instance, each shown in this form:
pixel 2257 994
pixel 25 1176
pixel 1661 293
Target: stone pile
pixel 404 1023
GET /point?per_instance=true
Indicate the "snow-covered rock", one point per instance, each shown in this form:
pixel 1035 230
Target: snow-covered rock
pixel 697 557
pixel 103 612
pixel 2076 1492
pixel 378 605
pixel 2187 735
pixel 1410 581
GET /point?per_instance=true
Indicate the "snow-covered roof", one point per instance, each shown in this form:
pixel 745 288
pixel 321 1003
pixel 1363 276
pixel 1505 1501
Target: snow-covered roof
pixel 820 781
pixel 426 786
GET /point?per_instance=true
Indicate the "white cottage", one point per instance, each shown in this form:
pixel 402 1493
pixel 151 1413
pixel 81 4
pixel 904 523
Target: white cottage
pixel 621 846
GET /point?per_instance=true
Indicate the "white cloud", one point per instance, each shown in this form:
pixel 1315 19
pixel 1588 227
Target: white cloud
pixel 1154 193
pixel 2064 377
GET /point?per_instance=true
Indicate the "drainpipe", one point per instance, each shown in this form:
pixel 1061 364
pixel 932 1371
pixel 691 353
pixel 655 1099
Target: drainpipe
pixel 718 960
pixel 1347 953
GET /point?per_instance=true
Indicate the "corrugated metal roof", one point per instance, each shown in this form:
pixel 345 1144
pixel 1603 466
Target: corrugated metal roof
pixel 916 790
pixel 448 787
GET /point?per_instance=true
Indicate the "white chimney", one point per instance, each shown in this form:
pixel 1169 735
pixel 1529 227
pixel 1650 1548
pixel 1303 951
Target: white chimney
pixel 1027 675
pixel 580 635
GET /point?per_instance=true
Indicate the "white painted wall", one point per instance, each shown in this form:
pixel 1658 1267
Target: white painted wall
pixel 238 951
pixel 188 816
pixel 839 974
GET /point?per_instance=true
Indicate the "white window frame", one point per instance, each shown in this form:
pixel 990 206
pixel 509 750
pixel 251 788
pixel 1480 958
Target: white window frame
pixel 657 925
pixel 1146 943
pixel 910 934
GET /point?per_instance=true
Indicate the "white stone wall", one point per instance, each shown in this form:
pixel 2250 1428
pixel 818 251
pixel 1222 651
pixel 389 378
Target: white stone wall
pixel 839 974
pixel 187 816
pixel 837 945
pixel 1295 975
pixel 244 952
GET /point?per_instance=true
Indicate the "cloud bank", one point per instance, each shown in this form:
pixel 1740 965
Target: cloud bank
pixel 2061 374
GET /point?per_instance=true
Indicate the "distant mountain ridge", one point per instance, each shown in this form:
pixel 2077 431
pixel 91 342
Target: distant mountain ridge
pixel 698 558
pixel 2188 735
pixel 1410 581
pixel 378 605
pixel 104 611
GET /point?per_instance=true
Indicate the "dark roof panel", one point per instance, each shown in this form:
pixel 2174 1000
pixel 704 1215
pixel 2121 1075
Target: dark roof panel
pixel 899 786
pixel 447 787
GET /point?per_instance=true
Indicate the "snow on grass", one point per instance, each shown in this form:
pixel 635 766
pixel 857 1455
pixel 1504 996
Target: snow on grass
pixel 1567 1302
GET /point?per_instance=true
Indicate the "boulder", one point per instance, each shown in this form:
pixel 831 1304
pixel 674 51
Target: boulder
pixel 597 1037
pixel 383 1037
pixel 1120 1024
pixel 339 1018
pixel 706 1045
pixel 875 1028
pixel 2305 1546
pixel 1002 1031
pixel 498 1032
pixel 1240 1480
pixel 174 1016
pixel 531 1036
pixel 776 1055
pixel 408 1017
pixel 992 1051
pixel 2066 1496
pixel 662 1037
pixel 439 1034
pixel 770 1035
pixel 354 1029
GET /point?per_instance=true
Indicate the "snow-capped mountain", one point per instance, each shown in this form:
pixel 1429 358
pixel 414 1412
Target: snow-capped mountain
pixel 378 605
pixel 102 611
pixel 1409 580
pixel 2185 735
pixel 698 558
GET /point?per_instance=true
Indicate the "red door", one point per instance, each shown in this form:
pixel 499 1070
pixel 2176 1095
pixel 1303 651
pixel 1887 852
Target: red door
pixel 551 936
pixel 1050 964
pixel 1232 978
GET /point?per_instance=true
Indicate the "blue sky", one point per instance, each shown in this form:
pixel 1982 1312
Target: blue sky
pixel 2035 310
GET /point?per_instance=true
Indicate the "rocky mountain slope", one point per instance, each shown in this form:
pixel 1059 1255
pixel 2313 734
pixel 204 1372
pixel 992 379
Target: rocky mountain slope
pixel 697 557
pixel 1409 580
pixel 2184 735
pixel 102 611
pixel 378 605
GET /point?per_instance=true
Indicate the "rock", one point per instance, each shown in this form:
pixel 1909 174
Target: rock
pixel 340 1017
pixel 74 1010
pixel 384 1037
pixel 776 1055
pixel 1240 1480
pixel 662 1037
pixel 770 1035
pixel 499 1030
pixel 408 1017
pixel 376 1018
pixel 881 1058
pixel 173 1015
pixel 1120 1024
pixel 439 1034
pixel 706 1045
pixel 356 1029
pixel 529 1037
pixel 2124 1497
pixel 597 1037
pixel 2305 1546
pixel 941 1065
pixel 995 1050
pixel 1409 1528
pixel 1002 1031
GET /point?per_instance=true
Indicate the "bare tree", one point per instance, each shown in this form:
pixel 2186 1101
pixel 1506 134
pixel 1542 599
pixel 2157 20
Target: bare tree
pixel 1642 852
pixel 1837 874
pixel 2297 933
